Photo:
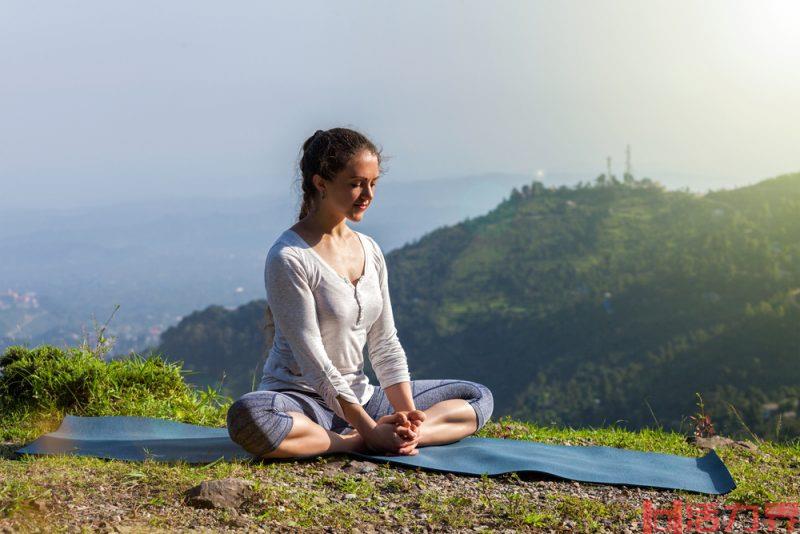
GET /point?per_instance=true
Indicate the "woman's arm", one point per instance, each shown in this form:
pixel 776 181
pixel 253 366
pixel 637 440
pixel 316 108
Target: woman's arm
pixel 399 396
pixel 357 416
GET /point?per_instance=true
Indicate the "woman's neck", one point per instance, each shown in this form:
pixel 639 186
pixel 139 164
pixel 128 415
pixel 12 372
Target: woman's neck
pixel 318 224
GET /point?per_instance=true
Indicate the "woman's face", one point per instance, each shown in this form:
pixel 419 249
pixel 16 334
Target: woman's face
pixel 352 191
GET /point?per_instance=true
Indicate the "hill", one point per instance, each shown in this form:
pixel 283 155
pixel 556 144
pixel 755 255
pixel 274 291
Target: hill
pixel 612 301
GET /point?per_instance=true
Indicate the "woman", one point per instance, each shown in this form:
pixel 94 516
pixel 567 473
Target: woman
pixel 327 291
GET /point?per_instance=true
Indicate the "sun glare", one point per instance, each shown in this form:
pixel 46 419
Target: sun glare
pixel 768 34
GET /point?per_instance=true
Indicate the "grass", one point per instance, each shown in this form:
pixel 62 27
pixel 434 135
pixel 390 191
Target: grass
pixel 586 512
pixel 39 386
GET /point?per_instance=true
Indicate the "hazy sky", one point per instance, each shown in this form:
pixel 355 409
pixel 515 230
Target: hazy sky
pixel 102 102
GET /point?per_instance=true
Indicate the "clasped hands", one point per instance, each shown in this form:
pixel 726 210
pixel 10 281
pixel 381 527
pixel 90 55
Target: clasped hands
pixel 396 434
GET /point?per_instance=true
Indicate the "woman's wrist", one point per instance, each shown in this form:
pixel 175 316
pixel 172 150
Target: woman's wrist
pixel 365 428
pixel 400 396
pixel 357 416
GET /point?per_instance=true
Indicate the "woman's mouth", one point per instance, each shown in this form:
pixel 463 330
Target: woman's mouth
pixel 361 207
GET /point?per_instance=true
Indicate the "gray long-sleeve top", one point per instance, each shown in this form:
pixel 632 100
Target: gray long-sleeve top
pixel 323 321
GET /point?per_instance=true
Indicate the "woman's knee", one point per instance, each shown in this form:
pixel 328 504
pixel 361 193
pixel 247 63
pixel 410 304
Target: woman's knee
pixel 482 401
pixel 476 394
pixel 256 425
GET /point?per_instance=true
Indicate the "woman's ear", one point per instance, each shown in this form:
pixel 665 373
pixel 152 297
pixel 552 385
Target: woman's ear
pixel 319 184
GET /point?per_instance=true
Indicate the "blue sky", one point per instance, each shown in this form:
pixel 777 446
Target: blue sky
pixel 103 102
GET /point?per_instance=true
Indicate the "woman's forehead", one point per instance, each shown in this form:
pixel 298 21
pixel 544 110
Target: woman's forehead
pixel 363 165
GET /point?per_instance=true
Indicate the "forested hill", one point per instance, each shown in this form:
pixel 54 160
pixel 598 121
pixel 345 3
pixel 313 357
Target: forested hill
pixel 606 302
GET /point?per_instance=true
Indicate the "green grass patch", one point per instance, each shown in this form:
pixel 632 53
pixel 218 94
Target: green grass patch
pixel 39 386
pixel 646 439
pixel 454 511
pixel 588 514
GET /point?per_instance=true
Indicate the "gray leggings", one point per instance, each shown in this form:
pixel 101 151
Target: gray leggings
pixel 258 421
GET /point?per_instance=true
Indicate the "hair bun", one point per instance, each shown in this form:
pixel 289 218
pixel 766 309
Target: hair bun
pixel 311 140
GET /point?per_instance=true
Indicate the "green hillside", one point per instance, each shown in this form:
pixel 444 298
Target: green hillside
pixel 223 348
pixel 609 302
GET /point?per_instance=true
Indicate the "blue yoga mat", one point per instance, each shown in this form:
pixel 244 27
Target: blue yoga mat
pixel 140 438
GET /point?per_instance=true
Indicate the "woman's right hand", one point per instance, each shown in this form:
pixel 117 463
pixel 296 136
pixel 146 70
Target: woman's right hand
pixel 388 438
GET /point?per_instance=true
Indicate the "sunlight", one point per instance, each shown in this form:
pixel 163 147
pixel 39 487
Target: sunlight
pixel 767 35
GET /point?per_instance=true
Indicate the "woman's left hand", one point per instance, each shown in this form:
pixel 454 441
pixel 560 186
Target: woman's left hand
pixel 409 426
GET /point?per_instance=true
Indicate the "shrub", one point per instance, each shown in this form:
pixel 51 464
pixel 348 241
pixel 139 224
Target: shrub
pixel 47 380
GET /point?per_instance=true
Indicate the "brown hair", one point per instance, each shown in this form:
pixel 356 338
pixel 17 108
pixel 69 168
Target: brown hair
pixel 326 153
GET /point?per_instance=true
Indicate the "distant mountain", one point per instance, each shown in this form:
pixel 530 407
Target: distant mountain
pixel 214 340
pixel 161 260
pixel 605 302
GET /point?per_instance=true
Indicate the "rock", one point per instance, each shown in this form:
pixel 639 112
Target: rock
pixel 747 445
pixel 711 443
pixel 357 466
pixel 222 493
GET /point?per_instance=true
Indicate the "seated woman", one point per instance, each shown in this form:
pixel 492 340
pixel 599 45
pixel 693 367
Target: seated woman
pixel 328 294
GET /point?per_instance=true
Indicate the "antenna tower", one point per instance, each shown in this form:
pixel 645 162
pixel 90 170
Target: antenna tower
pixel 628 171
